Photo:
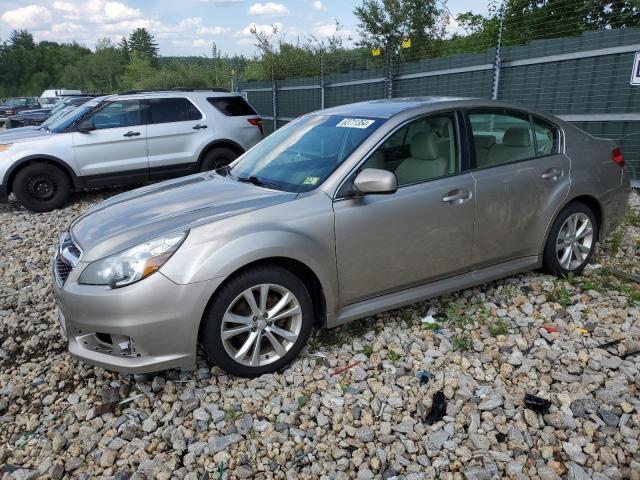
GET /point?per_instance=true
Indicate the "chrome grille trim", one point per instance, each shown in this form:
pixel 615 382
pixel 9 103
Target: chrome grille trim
pixel 66 258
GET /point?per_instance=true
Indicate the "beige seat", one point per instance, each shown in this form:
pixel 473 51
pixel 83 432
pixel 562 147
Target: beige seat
pixel 516 145
pixel 483 144
pixel 425 161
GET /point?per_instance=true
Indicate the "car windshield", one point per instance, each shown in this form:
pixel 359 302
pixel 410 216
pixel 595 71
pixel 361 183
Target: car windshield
pixel 57 116
pixel 301 155
pixel 15 102
pixel 49 101
pixel 63 122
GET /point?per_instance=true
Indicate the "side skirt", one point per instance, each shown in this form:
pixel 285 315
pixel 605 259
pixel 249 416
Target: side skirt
pixel 430 290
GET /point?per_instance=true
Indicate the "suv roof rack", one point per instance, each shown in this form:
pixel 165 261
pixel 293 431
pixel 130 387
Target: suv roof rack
pixel 177 89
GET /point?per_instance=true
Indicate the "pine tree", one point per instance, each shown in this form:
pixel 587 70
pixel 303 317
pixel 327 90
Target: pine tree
pixel 142 45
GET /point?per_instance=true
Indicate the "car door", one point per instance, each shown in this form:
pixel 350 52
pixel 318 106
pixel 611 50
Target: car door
pixel 521 181
pixel 113 141
pixel 420 233
pixel 175 134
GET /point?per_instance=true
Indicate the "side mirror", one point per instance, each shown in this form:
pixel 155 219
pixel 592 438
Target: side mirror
pixel 86 126
pixel 376 181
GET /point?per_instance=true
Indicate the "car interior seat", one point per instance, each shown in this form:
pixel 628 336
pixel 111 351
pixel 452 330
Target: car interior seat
pixel 425 161
pixel 516 145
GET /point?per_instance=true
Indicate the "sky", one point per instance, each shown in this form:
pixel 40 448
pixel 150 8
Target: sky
pixel 188 27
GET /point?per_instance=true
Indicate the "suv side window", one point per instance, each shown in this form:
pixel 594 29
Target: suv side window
pixel 501 137
pixel 421 150
pixel 121 113
pixel 546 137
pixel 169 110
pixel 232 106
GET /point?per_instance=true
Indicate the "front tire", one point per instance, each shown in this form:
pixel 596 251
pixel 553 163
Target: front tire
pixel 41 187
pixel 571 242
pixel 217 158
pixel 258 322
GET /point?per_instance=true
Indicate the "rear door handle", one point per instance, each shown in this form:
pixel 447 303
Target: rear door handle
pixel 198 127
pixel 456 197
pixel 132 134
pixel 551 174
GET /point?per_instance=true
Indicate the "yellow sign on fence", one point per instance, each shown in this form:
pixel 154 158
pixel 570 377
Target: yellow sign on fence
pixel 375 52
pixel 406 43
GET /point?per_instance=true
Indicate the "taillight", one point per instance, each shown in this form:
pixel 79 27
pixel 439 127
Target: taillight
pixel 617 157
pixel 257 122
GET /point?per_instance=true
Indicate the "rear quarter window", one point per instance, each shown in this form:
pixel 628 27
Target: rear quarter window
pixel 232 106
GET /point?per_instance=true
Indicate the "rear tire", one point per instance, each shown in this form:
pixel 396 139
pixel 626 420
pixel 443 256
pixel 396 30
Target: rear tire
pixel 41 187
pixel 217 158
pixel 571 242
pixel 262 338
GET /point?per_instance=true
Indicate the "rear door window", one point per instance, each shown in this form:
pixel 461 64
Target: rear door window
pixel 546 137
pixel 232 106
pixel 167 110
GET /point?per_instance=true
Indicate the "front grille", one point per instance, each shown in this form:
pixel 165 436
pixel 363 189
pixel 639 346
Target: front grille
pixel 62 269
pixel 67 257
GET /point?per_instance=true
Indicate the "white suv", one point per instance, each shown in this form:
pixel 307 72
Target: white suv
pixel 128 138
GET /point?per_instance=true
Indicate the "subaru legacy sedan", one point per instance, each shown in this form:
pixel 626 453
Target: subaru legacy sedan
pixel 341 214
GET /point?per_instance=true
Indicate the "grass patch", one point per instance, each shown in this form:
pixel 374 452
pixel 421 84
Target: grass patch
pixel 604 282
pixel 392 356
pixel 462 341
pixel 303 401
pixel 616 242
pixel 367 350
pixel 232 415
pixel 632 217
pixel 560 295
pixel 499 327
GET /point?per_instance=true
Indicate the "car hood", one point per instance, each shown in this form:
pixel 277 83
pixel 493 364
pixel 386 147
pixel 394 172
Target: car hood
pixel 149 212
pixel 18 131
pixel 20 135
pixel 38 111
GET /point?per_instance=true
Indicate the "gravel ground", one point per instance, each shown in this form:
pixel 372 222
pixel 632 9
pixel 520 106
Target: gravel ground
pixel 419 400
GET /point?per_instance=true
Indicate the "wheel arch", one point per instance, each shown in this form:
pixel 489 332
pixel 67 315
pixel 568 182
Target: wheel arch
pixel 296 267
pixel 23 162
pixel 221 143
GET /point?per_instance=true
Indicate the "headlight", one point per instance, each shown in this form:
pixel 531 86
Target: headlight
pixel 10 112
pixel 134 264
pixel 5 146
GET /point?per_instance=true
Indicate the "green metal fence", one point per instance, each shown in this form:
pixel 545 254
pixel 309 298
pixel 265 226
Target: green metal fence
pixel 582 79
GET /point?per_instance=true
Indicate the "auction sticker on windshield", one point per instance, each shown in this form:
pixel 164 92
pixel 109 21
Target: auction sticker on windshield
pixel 355 123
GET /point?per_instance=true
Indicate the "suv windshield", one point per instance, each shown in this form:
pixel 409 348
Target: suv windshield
pixel 301 155
pixel 62 123
pixel 15 102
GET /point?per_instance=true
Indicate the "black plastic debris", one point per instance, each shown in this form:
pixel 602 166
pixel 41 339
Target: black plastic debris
pixel 536 404
pixel 438 408
pixel 424 376
pixel 501 437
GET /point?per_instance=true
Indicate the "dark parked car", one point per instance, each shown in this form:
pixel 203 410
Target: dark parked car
pixel 11 106
pixel 36 117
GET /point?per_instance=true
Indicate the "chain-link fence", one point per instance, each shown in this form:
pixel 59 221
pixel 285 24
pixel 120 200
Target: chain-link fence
pixel 569 62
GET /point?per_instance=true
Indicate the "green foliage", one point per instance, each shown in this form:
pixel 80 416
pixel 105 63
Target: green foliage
pixel 462 341
pixel 632 217
pixel 616 242
pixel 560 295
pixel 303 400
pixel 499 327
pixel 367 350
pixel 392 356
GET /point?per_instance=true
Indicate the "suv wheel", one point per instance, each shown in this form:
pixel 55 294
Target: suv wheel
pixel 217 158
pixel 572 240
pixel 41 187
pixel 258 322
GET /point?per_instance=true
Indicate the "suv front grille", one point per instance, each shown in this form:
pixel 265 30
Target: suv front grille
pixel 67 257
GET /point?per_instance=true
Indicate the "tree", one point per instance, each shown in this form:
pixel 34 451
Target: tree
pixel 386 23
pixel 142 45
pixel 123 45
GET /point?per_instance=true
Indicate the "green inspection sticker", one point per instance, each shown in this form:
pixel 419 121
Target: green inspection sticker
pixel 311 180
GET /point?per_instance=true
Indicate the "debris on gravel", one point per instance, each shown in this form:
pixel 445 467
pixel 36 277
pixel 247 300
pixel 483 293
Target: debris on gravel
pixel 529 377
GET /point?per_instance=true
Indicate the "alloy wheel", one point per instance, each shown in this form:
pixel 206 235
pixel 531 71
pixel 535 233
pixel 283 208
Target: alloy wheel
pixel 575 241
pixel 261 325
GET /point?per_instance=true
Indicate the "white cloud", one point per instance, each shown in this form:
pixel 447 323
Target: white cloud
pixel 199 42
pixel 269 8
pixel 212 30
pixel 26 17
pixel 453 27
pixel 67 29
pixel 327 29
pixel 266 29
pixel 64 6
pixel 222 2
pixel 318 6
pixel 116 11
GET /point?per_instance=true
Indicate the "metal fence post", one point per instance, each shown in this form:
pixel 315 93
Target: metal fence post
pixel 274 101
pixel 389 79
pixel 321 81
pixel 496 66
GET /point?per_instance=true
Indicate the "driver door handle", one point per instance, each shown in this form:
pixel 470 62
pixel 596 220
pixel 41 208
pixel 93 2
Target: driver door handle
pixel 131 134
pixel 198 127
pixel 456 197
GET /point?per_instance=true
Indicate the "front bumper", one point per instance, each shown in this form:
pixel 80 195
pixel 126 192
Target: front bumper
pixel 149 326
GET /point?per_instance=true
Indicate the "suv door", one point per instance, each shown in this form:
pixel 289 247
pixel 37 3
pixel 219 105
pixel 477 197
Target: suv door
pixel 175 135
pixel 421 233
pixel 117 145
pixel 522 179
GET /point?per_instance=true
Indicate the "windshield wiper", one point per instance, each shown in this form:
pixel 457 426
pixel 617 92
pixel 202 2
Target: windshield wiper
pixel 259 182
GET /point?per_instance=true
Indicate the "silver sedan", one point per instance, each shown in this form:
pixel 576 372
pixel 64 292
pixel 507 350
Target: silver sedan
pixel 341 214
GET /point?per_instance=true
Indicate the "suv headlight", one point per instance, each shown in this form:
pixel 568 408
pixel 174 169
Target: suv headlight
pixel 133 264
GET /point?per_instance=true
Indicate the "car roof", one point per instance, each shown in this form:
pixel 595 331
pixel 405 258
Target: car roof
pixel 387 108
pixel 174 93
